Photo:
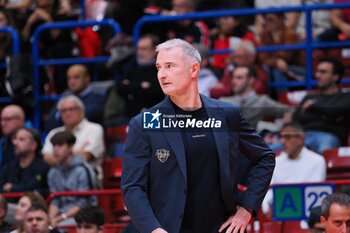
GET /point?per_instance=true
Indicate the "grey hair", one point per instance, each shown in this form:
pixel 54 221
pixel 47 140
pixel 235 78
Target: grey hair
pixel 73 98
pixel 187 49
pixel 247 45
pixel 341 199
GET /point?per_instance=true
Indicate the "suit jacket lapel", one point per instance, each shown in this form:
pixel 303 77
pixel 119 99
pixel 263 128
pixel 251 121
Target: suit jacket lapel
pixel 174 138
pixel 220 135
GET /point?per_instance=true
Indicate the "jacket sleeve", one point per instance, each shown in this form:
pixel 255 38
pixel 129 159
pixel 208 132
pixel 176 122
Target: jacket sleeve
pixel 263 163
pixel 134 183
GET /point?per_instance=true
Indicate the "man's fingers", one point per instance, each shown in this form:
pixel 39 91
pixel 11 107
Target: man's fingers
pixel 224 225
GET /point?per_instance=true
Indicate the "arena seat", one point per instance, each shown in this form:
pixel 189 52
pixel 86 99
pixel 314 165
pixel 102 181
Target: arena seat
pixel 338 163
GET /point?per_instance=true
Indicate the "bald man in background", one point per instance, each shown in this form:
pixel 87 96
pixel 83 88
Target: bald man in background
pixel 12 118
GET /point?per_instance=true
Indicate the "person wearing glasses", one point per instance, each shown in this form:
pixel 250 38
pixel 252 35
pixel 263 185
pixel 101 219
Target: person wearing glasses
pixel 90 142
pixel 296 163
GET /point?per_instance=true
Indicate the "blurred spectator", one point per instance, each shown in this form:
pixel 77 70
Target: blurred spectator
pixel 296 164
pixel 290 21
pixel 191 31
pixel 282 65
pixel 206 79
pixel 314 221
pixel 69 174
pixel 36 220
pixel 138 86
pixel 29 171
pixel 320 20
pixel 335 215
pixel 55 43
pixel 231 31
pixel 5 38
pixel 254 107
pixel 4 226
pixel 245 54
pixel 90 218
pixel 90 142
pixel 325 115
pixel 12 118
pixel 340 22
pixel 78 80
pixel 24 203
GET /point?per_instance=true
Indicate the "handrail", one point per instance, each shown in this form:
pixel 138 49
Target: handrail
pixel 308 45
pixel 37 62
pixel 53 195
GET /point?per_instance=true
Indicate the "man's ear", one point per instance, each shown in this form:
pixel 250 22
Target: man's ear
pixel 323 220
pixel 195 69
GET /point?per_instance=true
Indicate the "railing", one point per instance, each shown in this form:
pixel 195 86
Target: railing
pixel 308 45
pixel 37 62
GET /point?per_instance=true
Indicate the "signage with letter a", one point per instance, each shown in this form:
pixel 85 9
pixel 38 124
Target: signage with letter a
pixel 295 201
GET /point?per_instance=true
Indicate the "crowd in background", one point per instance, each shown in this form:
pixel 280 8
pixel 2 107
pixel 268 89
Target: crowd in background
pixel 320 120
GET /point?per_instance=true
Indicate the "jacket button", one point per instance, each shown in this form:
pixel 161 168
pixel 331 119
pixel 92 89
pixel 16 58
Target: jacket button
pixel 185 191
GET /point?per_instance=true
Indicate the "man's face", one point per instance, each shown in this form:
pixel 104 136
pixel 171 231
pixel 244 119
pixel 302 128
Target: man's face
pixel 71 114
pixel 175 72
pixel 145 51
pixel 36 221
pixel 240 80
pixel 324 75
pixel 10 120
pixel 23 143
pixel 292 141
pixel 88 228
pixel 61 152
pixel 338 220
pixel 77 79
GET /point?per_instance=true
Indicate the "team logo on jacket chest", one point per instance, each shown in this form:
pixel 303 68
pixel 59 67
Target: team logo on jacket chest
pixel 162 155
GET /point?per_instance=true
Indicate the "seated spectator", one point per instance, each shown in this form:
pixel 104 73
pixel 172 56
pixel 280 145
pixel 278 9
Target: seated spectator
pixel 254 107
pixel 335 215
pixel 296 164
pixel 320 20
pixel 314 221
pixel 12 118
pixel 231 31
pixel 90 218
pixel 71 173
pixel 78 80
pixel 325 115
pixel 191 31
pixel 245 54
pixel 90 142
pixel 36 220
pixel 5 38
pixel 54 43
pixel 29 171
pixel 206 79
pixel 4 226
pixel 291 20
pixel 340 24
pixel 283 65
pixel 138 85
pixel 24 203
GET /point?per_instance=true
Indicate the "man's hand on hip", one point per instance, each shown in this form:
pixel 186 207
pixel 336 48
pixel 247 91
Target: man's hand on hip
pixel 238 222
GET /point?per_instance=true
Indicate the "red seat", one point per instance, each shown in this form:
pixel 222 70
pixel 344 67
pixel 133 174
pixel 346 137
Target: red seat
pixel 338 163
pixel 293 227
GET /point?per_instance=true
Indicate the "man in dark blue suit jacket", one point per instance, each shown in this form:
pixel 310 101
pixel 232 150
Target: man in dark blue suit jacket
pixel 179 169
